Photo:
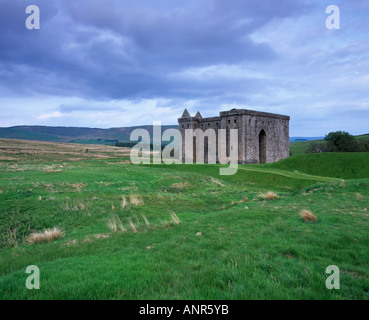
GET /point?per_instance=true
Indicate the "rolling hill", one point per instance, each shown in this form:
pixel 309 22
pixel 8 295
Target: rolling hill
pixel 344 165
pixel 73 134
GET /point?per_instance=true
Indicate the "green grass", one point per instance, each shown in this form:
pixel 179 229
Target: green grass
pixel 301 147
pixel 363 137
pixel 338 165
pixel 250 248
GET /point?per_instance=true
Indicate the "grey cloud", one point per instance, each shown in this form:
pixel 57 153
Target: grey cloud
pixel 125 49
pixel 104 50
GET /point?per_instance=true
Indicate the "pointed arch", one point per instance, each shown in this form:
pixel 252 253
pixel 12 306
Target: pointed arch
pixel 262 146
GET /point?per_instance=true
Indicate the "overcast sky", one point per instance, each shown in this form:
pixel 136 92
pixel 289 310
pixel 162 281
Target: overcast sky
pixel 113 63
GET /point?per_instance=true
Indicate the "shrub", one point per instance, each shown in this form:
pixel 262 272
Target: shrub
pixel 135 200
pixel 359 196
pixel 308 216
pixel 114 223
pixel 174 217
pixel 124 202
pixel 269 196
pixel 46 236
pixel 131 224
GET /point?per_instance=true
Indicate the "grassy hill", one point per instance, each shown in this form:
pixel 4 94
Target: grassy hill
pixel 233 240
pixel 19 133
pixel 73 134
pixel 301 147
pixel 329 164
pixel 362 137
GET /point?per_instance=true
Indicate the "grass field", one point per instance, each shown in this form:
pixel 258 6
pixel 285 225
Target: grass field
pixel 231 239
pixel 301 147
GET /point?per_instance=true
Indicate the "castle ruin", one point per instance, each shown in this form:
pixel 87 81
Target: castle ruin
pixel 262 137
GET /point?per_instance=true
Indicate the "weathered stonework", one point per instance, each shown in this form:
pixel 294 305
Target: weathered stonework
pixel 262 137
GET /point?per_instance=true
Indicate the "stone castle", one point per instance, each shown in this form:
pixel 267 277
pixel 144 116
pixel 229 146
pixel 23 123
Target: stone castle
pixel 262 137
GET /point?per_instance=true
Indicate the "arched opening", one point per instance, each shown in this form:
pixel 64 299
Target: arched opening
pixel 206 149
pixel 262 146
pixel 194 150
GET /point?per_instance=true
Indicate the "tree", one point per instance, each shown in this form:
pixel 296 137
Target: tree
pixel 341 141
pixel 335 137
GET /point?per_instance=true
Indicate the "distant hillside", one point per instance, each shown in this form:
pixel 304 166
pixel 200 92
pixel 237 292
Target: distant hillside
pixel 298 139
pixel 74 134
pixel 85 135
